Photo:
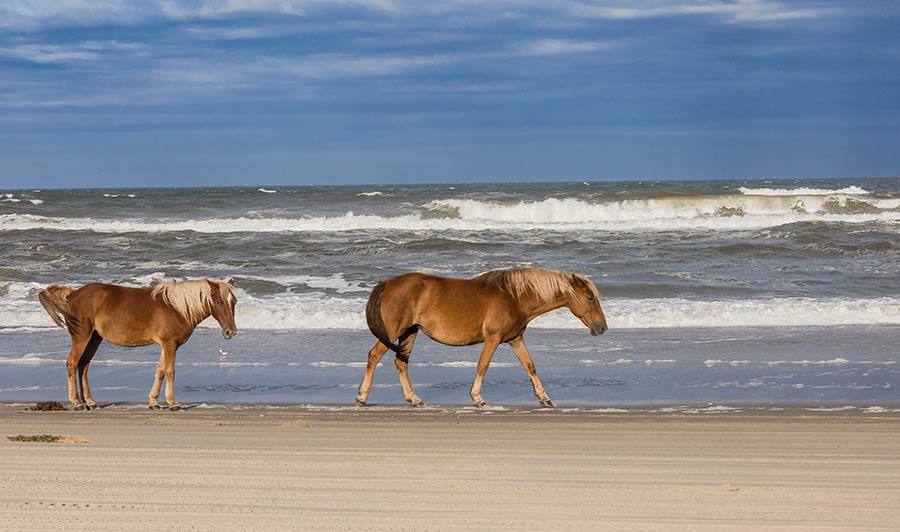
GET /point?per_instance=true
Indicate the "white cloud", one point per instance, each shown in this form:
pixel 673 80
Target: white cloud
pixel 112 46
pixel 212 9
pixel 48 53
pixel 563 46
pixel 34 14
pixel 57 53
pixel 733 11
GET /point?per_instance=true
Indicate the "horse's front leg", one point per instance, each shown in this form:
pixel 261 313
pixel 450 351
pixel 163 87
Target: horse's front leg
pixel 83 366
pixel 169 355
pixel 79 344
pixel 157 381
pixel 487 353
pixel 518 345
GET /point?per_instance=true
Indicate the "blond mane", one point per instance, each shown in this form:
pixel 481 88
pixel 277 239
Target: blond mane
pixel 191 299
pixel 547 285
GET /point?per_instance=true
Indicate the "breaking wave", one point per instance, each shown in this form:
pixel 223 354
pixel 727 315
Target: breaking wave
pixel 11 198
pixel 755 210
pixel 854 190
pixel 332 309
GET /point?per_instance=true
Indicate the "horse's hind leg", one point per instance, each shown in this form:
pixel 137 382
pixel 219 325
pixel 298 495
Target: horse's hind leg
pixel 518 345
pixel 83 366
pixel 365 387
pixel 487 353
pixel 79 345
pixel 401 360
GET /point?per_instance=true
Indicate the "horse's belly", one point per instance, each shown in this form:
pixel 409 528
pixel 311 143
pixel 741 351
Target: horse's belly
pixel 123 336
pixel 452 337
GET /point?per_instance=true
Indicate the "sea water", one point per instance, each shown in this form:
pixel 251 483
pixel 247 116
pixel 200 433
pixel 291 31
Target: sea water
pixel 743 292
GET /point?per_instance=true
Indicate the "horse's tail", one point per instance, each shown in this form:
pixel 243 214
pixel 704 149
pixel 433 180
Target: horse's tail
pixel 55 300
pixel 374 319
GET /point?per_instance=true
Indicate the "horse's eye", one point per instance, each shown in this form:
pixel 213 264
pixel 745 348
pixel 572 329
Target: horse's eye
pixel 591 299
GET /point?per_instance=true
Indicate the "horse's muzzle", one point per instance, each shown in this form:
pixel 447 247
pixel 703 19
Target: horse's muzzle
pixel 229 334
pixel 598 328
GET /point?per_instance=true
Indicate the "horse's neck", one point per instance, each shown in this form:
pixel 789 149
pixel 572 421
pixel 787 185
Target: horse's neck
pixel 534 307
pixel 207 312
pixel 203 316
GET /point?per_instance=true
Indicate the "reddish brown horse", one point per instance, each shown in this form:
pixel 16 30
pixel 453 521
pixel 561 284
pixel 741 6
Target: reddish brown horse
pixel 165 314
pixel 492 308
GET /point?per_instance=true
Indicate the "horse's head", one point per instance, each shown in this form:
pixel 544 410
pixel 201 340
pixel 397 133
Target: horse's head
pixel 585 304
pixel 222 305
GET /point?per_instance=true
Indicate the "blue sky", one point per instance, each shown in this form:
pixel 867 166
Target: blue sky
pixel 179 92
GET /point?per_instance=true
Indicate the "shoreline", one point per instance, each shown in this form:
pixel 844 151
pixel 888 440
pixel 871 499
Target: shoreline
pixel 659 410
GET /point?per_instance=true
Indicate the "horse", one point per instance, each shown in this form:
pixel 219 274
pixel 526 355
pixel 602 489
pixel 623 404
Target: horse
pixel 165 314
pixel 493 308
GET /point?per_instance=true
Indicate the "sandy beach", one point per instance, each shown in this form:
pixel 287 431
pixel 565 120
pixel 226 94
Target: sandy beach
pixel 386 468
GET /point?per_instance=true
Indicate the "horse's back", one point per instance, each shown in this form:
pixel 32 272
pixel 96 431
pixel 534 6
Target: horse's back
pixel 102 294
pixel 121 314
pixel 449 310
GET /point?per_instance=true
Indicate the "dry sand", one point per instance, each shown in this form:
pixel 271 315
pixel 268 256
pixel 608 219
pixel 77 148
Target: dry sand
pixel 301 468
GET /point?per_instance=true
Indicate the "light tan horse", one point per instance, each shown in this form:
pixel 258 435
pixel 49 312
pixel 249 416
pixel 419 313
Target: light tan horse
pixel 492 308
pixel 165 314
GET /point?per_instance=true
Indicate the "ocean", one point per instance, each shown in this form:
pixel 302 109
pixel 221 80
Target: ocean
pixel 716 292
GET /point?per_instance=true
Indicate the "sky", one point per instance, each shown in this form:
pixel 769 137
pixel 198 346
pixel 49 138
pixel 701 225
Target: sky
pixel 122 93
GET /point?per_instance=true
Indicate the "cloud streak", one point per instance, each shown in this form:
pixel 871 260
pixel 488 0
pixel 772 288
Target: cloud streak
pixel 86 51
pixel 731 11
pixel 36 14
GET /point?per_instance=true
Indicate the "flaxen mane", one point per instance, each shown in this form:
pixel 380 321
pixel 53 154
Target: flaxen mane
pixel 191 299
pixel 545 284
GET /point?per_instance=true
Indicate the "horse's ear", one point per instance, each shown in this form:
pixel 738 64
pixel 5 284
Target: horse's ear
pixel 213 288
pixel 230 281
pixel 581 282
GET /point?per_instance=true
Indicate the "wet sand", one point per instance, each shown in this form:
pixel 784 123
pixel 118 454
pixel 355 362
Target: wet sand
pixel 385 468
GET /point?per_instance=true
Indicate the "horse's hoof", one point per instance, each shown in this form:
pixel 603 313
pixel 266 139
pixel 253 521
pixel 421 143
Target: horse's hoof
pixel 78 406
pixel 153 407
pixel 417 403
pixel 360 403
pixel 480 403
pixel 547 403
pixel 93 406
pixel 174 408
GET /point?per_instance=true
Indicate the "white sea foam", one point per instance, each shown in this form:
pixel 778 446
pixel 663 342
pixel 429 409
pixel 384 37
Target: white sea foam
pixel 712 409
pixel 119 196
pixel 266 191
pixel 10 330
pixel 725 212
pixel 831 408
pixel 711 363
pixel 326 364
pixel 464 364
pixel 335 282
pixel 321 310
pixel 11 198
pixel 30 359
pixel 852 190
pixel 676 312
pixel 373 193
pixel 826 362
pixel 877 410
pixel 704 212
pixel 623 361
pixel 829 362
